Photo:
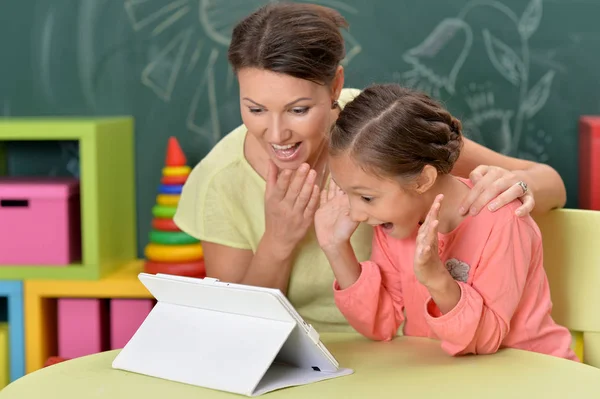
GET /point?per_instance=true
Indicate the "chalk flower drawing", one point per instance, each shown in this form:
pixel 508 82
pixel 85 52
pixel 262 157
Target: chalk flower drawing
pixel 488 123
pixel 431 68
pixel 202 32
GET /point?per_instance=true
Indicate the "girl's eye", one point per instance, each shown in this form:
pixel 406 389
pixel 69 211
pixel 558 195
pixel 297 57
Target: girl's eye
pixel 366 199
pixel 300 110
pixel 255 110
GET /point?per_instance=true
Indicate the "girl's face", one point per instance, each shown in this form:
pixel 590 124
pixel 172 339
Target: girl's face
pixel 378 200
pixel 288 116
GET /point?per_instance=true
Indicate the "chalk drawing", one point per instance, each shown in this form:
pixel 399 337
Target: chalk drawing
pixel 170 21
pixel 487 122
pixel 437 61
pixel 431 68
pixel 70 154
pixel 142 13
pixel 46 55
pixel 196 44
pixel 218 17
pixel 86 54
pixel 535 147
pixel 338 5
pixel 538 95
pixel 353 47
pixel 504 59
pixel 230 77
pixel 161 73
pixel 195 56
pixel 68 161
pixel 206 90
pixel 530 20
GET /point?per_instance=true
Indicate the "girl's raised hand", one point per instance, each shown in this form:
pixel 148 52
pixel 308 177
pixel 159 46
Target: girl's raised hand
pixel 428 267
pixel 333 224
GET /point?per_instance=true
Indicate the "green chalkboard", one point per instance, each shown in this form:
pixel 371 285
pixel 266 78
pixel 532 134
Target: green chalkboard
pixel 519 73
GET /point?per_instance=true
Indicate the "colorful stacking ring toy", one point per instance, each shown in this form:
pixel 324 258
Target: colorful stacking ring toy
pixel 170 180
pixel 173 253
pixel 171 238
pixel 188 269
pixel 167 199
pixel 161 211
pixel 170 250
pixel 176 170
pixel 164 224
pixel 170 189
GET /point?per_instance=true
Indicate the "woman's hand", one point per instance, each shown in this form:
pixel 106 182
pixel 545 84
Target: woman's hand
pixel 498 185
pixel 428 266
pixel 333 224
pixel 291 200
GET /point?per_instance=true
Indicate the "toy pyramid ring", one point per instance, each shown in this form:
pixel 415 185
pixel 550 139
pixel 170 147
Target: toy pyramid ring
pixel 523 186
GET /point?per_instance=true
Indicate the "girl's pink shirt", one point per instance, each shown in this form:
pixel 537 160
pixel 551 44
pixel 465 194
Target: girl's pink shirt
pixel 497 261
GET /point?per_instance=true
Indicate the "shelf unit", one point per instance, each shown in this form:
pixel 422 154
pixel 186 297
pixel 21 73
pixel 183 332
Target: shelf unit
pixel 12 291
pixel 40 306
pixel 107 190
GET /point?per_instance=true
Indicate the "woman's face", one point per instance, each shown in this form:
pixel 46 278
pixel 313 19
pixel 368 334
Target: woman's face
pixel 288 116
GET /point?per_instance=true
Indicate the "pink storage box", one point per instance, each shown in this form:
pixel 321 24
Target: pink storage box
pixel 126 316
pixel 82 327
pixel 40 222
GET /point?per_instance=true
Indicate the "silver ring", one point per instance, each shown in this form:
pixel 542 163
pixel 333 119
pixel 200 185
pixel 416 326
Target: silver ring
pixel 523 186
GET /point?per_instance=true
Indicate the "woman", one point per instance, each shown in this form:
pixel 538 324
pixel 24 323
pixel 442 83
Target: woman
pixel 252 199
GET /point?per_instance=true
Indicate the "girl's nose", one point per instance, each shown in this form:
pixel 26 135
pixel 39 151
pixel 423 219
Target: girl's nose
pixel 358 216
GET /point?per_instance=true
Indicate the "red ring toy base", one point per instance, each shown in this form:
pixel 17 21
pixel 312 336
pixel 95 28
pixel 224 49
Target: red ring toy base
pixel 191 269
pixel 174 179
pixel 164 224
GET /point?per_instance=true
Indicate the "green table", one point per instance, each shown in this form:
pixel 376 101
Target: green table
pixel 403 368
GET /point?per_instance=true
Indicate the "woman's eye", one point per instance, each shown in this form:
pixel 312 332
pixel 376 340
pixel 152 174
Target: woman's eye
pixel 366 199
pixel 300 110
pixel 255 110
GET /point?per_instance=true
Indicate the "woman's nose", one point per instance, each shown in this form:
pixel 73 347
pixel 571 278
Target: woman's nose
pixel 277 132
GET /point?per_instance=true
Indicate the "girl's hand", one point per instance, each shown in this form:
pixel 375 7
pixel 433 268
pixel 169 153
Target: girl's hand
pixel 333 223
pixel 428 267
pixel 500 186
pixel 291 200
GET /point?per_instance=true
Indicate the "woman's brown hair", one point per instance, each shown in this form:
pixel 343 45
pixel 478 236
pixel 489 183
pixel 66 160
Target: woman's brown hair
pixel 300 40
pixel 397 131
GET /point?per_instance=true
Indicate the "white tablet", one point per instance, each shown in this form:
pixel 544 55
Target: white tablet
pixel 231 337
pixel 303 347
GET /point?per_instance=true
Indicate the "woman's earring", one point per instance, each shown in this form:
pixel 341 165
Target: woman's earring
pixel 334 104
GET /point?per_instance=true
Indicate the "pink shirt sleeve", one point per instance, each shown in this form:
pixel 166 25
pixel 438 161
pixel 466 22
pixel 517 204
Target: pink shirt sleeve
pixel 481 320
pixel 373 305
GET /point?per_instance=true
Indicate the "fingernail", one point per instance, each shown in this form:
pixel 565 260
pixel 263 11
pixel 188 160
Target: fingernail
pixel 462 210
pixel 473 211
pixel 519 213
pixel 303 167
pixel 493 206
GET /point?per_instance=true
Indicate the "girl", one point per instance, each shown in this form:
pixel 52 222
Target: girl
pixel 476 283
pixel 252 199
